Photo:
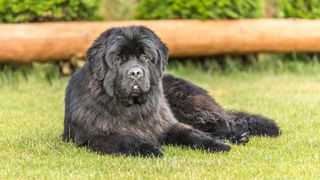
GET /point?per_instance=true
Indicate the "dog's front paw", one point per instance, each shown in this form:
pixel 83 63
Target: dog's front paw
pixel 217 145
pixel 147 150
pixel 242 138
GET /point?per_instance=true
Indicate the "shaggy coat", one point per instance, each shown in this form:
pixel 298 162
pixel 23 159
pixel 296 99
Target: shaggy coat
pixel 120 102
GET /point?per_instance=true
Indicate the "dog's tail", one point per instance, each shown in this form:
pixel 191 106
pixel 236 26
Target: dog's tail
pixel 257 125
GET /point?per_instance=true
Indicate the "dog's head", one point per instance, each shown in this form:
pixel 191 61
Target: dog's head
pixel 129 61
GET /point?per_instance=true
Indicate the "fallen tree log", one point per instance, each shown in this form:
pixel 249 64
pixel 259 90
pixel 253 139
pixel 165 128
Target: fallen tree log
pixel 63 40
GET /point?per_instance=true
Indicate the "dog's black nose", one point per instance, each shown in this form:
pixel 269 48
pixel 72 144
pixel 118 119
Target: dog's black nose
pixel 135 73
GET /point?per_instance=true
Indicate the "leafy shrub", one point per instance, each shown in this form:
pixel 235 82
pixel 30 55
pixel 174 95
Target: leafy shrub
pixel 199 9
pixel 15 11
pixel 307 9
pixel 117 9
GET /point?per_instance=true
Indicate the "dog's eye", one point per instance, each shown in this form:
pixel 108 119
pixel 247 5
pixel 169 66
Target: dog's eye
pixel 118 58
pixel 144 57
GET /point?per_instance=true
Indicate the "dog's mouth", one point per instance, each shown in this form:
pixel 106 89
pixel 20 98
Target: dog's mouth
pixel 135 91
pixel 136 96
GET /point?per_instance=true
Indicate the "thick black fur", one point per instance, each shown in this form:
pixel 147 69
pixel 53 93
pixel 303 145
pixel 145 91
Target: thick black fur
pixel 120 102
pixel 192 105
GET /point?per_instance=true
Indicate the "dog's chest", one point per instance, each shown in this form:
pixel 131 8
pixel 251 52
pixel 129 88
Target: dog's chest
pixel 150 129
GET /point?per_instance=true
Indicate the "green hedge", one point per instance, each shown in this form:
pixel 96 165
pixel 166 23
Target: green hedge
pixel 15 11
pixel 307 9
pixel 199 9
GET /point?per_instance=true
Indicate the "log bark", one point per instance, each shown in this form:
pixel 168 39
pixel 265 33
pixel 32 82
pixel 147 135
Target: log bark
pixel 63 40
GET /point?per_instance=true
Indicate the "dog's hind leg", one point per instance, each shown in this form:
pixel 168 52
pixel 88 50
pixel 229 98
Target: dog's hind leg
pixel 192 105
pixel 184 135
pixel 256 125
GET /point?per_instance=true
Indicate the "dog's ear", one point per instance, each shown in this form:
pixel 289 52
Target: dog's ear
pixel 95 60
pixel 164 54
pixel 96 56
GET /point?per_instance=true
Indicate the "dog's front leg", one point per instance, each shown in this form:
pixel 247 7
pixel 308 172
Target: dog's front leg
pixel 123 145
pixel 185 135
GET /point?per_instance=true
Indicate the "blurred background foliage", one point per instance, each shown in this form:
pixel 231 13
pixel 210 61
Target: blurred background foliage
pixel 117 9
pixel 199 9
pixel 19 11
pixel 209 9
pixel 307 9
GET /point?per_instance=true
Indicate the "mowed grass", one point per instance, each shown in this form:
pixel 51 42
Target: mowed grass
pixel 31 122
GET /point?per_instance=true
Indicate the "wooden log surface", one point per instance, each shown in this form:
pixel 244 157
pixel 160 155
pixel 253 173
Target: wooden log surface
pixel 62 40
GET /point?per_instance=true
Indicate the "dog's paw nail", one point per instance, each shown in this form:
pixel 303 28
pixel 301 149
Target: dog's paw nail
pixel 151 151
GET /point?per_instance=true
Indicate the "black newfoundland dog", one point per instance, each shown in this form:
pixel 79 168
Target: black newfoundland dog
pixel 121 102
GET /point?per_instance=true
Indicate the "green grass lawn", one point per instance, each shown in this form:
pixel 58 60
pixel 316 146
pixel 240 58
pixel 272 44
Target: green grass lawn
pixel 31 122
